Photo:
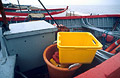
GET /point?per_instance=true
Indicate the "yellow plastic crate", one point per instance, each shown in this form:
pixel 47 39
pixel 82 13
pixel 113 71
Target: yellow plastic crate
pixel 77 47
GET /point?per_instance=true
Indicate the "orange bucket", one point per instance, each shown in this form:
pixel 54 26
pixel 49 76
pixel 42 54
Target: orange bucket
pixel 56 72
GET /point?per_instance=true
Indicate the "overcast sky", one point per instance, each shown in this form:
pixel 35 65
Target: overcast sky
pixel 66 2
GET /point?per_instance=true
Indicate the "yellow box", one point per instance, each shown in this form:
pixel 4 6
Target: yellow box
pixel 77 47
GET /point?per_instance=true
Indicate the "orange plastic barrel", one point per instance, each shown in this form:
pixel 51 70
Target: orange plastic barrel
pixel 56 72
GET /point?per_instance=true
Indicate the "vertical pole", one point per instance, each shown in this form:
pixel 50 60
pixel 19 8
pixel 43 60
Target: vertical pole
pixel 5 23
pixel 19 5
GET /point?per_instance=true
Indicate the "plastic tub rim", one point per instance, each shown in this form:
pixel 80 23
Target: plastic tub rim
pixel 51 65
pixel 80 47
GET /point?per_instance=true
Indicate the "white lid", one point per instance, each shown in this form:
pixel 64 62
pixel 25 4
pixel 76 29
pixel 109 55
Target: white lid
pixel 30 27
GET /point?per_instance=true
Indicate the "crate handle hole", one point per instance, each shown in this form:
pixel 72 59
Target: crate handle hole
pixel 94 42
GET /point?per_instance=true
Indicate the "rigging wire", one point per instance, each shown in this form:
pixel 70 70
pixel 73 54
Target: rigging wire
pixel 48 13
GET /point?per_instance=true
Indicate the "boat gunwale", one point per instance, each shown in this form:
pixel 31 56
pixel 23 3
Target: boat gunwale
pixel 78 17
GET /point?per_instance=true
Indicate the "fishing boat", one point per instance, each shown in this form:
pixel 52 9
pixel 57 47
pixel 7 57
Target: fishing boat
pixel 13 17
pixel 23 44
pixel 29 10
pixel 95 26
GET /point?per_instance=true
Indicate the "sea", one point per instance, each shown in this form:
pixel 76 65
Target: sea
pixel 87 9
